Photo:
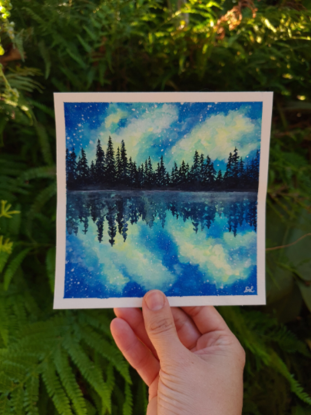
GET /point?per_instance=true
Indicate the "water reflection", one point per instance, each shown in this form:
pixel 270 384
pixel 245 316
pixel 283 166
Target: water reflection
pixel 112 211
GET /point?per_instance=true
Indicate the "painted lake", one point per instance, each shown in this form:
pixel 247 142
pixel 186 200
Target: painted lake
pixel 124 243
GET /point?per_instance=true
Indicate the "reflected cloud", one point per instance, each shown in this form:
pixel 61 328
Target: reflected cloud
pixel 125 243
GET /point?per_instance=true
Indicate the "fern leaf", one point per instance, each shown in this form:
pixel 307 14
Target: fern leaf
pixel 96 342
pixel 141 399
pixel 55 389
pixel 296 388
pixel 50 266
pixel 39 202
pixel 89 371
pixel 42 107
pixel 34 15
pixel 38 173
pixel 128 403
pixel 32 394
pixel 17 400
pixel 13 266
pixel 96 319
pixel 4 405
pixel 69 382
pixel 15 222
pixel 46 57
pixel 5 385
pixel 4 332
pixel 90 408
pixel 4 256
pixel 44 143
pixel 110 378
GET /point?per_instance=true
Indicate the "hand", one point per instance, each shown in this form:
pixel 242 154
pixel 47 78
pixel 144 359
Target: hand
pixel 190 360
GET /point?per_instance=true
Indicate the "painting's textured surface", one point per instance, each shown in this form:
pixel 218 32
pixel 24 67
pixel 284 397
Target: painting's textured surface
pixel 161 196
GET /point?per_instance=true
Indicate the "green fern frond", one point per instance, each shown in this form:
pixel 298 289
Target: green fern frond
pixel 32 394
pixel 43 197
pixel 95 319
pixel 287 341
pixel 128 403
pixel 35 16
pixel 141 399
pixel 15 222
pixel 42 107
pixel 44 144
pixel 91 410
pixel 46 57
pixel 69 382
pixel 55 389
pixel 8 184
pixel 4 253
pixel 50 266
pixel 4 329
pixel 296 388
pixel 252 341
pixel 4 405
pixel 13 266
pixel 38 173
pixel 17 400
pixel 110 378
pixel 89 371
pixel 5 385
pixel 111 353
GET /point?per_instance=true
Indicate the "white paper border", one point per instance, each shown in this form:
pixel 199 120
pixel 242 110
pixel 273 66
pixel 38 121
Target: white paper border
pixel 214 97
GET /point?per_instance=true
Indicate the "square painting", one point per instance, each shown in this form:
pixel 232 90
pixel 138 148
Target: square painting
pixel 161 191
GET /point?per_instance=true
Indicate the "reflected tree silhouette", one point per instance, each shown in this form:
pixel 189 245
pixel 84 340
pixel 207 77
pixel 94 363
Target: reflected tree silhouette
pixel 118 209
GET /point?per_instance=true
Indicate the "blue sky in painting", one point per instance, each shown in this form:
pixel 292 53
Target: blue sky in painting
pixel 174 130
pixel 174 259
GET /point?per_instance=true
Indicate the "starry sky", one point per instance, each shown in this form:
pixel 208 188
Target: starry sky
pixel 171 130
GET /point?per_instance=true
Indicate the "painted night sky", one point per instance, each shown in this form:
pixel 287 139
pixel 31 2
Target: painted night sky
pixel 171 130
pixel 124 243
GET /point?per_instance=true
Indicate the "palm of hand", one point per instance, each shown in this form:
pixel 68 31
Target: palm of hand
pixel 180 370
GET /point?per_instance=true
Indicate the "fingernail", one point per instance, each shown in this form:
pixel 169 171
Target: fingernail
pixel 155 300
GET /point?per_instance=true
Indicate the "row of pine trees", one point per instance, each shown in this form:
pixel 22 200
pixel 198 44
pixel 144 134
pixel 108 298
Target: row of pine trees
pixel 114 170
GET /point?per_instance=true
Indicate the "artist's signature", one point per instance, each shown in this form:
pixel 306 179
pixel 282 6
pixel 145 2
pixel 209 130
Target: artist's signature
pixel 249 289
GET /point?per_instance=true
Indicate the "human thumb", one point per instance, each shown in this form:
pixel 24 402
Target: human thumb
pixel 160 326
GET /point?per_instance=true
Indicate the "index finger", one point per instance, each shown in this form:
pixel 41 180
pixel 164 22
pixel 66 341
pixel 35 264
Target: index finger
pixel 207 319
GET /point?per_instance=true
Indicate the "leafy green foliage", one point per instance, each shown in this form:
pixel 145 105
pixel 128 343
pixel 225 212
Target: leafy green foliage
pixel 65 362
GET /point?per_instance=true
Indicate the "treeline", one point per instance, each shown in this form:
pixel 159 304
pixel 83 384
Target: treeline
pixel 115 170
pixel 113 216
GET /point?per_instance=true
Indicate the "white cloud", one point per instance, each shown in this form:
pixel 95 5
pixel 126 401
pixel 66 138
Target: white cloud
pixel 217 257
pixel 144 266
pixel 217 136
pixel 139 134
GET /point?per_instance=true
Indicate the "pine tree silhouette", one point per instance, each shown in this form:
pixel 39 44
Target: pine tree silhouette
pixel 182 173
pixel 100 164
pixel 71 168
pixel 174 175
pixel 118 167
pixel 112 229
pixel 110 163
pixel 92 173
pixel 82 169
pixel 100 229
pixel 124 164
pixel 235 167
pixel 201 169
pixel 219 179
